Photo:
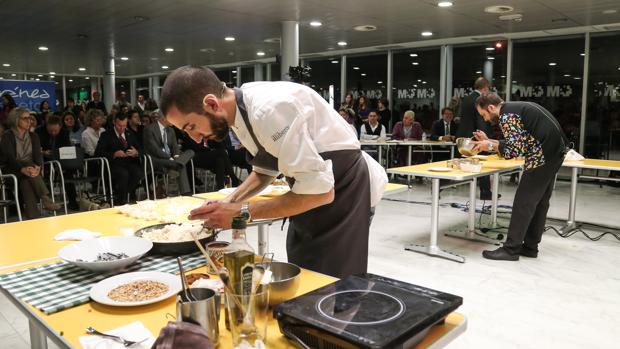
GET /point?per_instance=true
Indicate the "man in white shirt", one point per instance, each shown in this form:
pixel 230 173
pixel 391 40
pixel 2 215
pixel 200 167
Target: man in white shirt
pixel 287 128
pixel 372 130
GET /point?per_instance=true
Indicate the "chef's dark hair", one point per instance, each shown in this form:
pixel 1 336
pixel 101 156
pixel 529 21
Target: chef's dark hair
pixel 485 100
pixel 186 87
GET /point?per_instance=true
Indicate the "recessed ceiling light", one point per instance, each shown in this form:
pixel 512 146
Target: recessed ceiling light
pixel 164 67
pixel 444 3
pixel 415 63
pixel 316 24
pixel 43 48
pixel 260 53
pixel 356 68
pixel 498 44
pixel 498 9
pixel 618 68
pixel 169 49
pixel 363 74
pixel 70 80
pixel 379 82
pixel 478 72
pixel 503 76
pixel 568 75
pixel 234 72
pixel 424 82
pixel 334 61
pixel 37 79
pixel 514 81
pixel 52 76
pixel 577 78
pixel 52 73
pixel 365 28
pixel 610 12
pixel 87 78
pixel 582 54
pixel 415 85
pixel 490 48
pixel 427 33
pixel 419 80
pixel 82 69
pixel 6 65
pixel 40 75
pixel 413 55
pixel 229 38
pixel 124 58
pixel 491 58
pixel 553 64
pixel 342 43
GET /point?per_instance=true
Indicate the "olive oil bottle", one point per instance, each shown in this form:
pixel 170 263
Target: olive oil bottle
pixel 239 260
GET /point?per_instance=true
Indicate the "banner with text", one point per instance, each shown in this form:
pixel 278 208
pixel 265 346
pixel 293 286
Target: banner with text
pixel 30 94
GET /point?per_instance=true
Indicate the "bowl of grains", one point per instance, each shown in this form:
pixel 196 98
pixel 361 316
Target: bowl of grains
pixel 107 253
pixel 138 288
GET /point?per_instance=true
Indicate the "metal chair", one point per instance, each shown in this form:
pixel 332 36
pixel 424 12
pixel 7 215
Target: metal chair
pixel 207 177
pixel 4 202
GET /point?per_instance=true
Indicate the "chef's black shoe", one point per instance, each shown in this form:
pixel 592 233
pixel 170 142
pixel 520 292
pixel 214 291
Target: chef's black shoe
pixel 500 255
pixel 528 252
pixel 489 196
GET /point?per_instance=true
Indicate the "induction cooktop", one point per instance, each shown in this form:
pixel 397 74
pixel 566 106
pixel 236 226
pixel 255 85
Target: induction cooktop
pixel 364 311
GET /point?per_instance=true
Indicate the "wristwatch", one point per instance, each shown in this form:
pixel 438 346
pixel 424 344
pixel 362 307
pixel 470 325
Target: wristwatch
pixel 490 147
pixel 245 211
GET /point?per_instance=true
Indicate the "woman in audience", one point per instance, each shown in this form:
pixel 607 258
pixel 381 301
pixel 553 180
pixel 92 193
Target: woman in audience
pixel 362 109
pixel 150 106
pixel 44 109
pixel 8 104
pixel 22 154
pixel 348 114
pixel 94 119
pixel 348 101
pixel 73 128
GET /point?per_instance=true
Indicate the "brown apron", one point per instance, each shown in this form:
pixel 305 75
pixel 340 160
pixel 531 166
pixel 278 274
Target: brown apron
pixel 331 239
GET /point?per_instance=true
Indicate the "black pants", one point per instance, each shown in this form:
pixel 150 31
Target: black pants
pixel 125 177
pixel 530 206
pixel 216 161
pixel 238 157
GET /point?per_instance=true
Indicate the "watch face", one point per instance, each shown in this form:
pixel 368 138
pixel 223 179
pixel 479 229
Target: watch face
pixel 245 214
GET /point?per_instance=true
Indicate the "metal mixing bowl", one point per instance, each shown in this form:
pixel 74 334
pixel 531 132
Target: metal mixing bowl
pixel 466 147
pixel 284 282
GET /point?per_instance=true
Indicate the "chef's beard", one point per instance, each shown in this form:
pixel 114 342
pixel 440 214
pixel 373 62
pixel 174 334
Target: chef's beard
pixel 219 127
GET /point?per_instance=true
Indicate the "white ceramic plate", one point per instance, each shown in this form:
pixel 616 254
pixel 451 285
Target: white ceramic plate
pixel 440 169
pixel 99 292
pixel 87 251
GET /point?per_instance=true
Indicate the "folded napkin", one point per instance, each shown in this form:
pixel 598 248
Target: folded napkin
pixel 134 331
pixel 572 155
pixel 76 234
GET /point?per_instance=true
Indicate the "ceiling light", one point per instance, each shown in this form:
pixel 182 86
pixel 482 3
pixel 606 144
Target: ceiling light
pixel 124 58
pixel 316 24
pixel 37 79
pixel 169 49
pixel 444 3
pixel 356 68
pixel 6 65
pixel 43 48
pixel 427 33
pixel 479 72
pixel 40 75
pixel 514 81
pixel 498 9
pixel 363 74
pixel 415 85
pixel 82 69
pixel 260 53
pixel 379 82
pixel 424 82
pixel 335 62
pixel 234 72
pixel 582 54
pixel 413 55
pixel 52 73
pixel 13 74
pixel 577 78
pixel 503 76
pixel 610 12
pixel 567 75
pixel 52 76
pixel 342 43
pixel 415 63
pixel 87 78
pixel 70 80
pixel 498 45
pixel 164 67
pixel 490 48
pixel 553 64
pixel 491 58
pixel 229 38
pixel 365 28
pixel 419 80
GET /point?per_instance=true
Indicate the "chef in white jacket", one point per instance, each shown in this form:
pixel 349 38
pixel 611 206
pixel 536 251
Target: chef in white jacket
pixel 287 128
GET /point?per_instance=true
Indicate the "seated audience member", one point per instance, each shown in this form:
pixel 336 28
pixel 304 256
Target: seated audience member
pixel 52 137
pixel 96 103
pixel 146 119
pixel 134 125
pixel 90 137
pixel 348 114
pixel 72 107
pixel 444 129
pixel 140 105
pixel 121 150
pixel 109 121
pixel 160 142
pixel 237 152
pixel 372 130
pixel 408 129
pixel 210 156
pixel 20 151
pixel 73 127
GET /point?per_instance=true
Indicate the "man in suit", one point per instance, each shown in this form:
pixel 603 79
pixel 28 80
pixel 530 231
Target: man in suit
pixel 122 151
pixel 160 142
pixel 471 121
pixel 444 129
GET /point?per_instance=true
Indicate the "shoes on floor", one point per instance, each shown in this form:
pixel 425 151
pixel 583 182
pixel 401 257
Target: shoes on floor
pixel 49 205
pixel 489 196
pixel 500 255
pixel 528 252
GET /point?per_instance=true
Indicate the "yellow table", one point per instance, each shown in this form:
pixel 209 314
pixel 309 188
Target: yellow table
pixel 491 166
pixel 410 144
pixel 27 242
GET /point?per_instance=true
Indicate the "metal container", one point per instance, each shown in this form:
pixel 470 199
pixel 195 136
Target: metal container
pixel 466 147
pixel 284 282
pixel 174 248
pixel 204 311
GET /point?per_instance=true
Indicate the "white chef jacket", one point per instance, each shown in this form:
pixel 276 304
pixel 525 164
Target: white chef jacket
pixel 295 124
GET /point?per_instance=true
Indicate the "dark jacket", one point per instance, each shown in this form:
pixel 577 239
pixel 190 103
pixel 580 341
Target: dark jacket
pixel 96 105
pixel 61 140
pixel 439 129
pixel 154 145
pixel 109 143
pixel 399 133
pixel 8 152
pixel 471 119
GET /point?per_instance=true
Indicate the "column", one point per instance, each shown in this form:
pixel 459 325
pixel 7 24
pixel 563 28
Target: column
pixel 150 87
pixel 109 87
pixel 487 70
pixel 132 92
pixel 238 82
pixel 258 72
pixel 268 77
pixel 584 94
pixel 155 88
pixel 64 91
pixel 289 48
pixel 390 76
pixel 445 77
pixel 509 70
pixel 343 78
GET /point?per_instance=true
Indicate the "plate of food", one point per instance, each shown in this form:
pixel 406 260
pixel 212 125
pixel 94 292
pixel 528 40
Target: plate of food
pixel 440 169
pixel 138 288
pixel 105 253
pixel 176 239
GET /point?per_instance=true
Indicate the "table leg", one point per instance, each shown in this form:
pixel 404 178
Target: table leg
pixel 494 200
pixel 37 337
pixel 263 239
pixel 433 249
pixel 451 152
pixel 379 149
pixel 571 224
pixel 408 163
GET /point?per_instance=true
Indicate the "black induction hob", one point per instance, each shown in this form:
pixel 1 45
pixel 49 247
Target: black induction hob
pixel 364 311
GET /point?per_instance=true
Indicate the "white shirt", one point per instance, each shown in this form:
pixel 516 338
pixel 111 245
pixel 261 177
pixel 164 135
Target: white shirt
pixel 365 136
pixel 90 138
pixel 294 124
pixel 161 131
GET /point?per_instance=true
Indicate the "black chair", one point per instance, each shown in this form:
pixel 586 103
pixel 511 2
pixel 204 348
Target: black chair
pixel 5 180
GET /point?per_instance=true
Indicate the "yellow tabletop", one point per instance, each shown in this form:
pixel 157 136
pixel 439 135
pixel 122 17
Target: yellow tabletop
pixel 489 166
pixel 595 164
pixel 393 188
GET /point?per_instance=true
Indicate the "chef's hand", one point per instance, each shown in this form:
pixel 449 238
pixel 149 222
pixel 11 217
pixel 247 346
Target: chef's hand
pixel 216 214
pixel 481 146
pixel 480 135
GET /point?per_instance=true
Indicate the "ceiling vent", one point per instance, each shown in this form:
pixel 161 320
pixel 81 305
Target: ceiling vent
pixel 499 9
pixel 365 28
pixel 517 17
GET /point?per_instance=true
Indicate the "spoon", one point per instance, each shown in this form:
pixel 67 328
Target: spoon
pixel 183 282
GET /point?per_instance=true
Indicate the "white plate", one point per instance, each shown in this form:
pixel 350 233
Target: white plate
pixel 87 251
pixel 99 292
pixel 440 169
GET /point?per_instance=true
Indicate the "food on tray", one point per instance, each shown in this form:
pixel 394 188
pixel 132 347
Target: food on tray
pixel 176 233
pixel 105 257
pixel 138 291
pixel 165 211
pixel 191 278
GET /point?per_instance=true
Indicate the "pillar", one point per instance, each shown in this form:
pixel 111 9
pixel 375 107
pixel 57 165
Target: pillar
pixel 289 48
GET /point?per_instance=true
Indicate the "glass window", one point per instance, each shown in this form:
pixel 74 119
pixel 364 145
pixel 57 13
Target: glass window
pixel 602 133
pixel 473 61
pixel 367 76
pixel 275 72
pixel 549 72
pixel 247 74
pixel 142 88
pixel 228 75
pixel 416 85
pixel 324 73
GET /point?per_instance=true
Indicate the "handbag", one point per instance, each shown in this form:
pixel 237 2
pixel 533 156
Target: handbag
pixel 182 335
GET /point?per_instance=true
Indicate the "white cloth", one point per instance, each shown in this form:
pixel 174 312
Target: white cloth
pixel 90 138
pixel 366 137
pixel 295 124
pixel 134 331
pixel 76 234
pixel 572 155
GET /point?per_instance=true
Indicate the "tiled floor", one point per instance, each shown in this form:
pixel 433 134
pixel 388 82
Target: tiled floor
pixel 569 297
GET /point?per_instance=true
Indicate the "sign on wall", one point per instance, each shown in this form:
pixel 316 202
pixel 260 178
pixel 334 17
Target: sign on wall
pixel 30 94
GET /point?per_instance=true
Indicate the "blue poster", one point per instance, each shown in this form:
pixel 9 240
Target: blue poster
pixel 30 94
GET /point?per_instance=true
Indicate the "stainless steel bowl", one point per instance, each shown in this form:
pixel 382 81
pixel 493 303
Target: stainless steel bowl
pixel 284 282
pixel 466 147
